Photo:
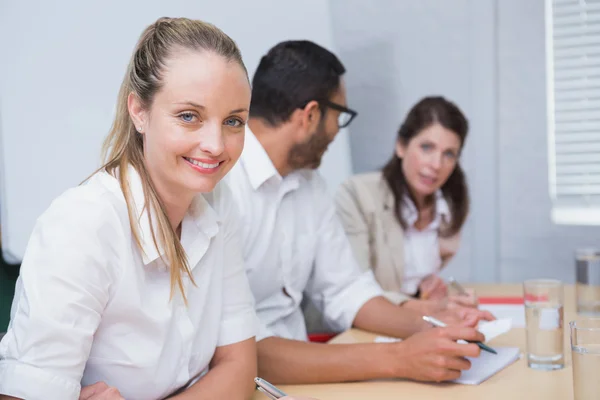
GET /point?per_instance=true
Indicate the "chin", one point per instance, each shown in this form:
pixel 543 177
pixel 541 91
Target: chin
pixel 202 185
pixel 425 191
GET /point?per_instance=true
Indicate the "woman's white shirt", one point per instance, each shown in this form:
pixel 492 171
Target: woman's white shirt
pixel 91 306
pixel 421 247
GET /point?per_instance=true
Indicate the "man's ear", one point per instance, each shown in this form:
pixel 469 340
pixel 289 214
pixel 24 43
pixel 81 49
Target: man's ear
pixel 310 117
pixel 137 112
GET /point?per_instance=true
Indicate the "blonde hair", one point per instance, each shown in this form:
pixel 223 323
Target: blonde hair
pixel 124 146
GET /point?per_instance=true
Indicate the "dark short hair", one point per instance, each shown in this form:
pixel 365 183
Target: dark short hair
pixel 289 76
pixel 428 111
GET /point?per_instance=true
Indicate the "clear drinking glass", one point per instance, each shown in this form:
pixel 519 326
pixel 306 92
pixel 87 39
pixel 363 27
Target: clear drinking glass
pixel 587 273
pixel 544 316
pixel 585 349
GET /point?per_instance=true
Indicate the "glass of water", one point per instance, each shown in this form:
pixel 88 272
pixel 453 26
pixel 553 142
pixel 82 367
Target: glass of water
pixel 544 316
pixel 587 273
pixel 585 348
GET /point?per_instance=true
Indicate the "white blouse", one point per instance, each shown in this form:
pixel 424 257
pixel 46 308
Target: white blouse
pixel 91 306
pixel 421 248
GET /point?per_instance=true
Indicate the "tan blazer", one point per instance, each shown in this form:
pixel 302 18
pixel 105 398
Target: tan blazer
pixel 365 205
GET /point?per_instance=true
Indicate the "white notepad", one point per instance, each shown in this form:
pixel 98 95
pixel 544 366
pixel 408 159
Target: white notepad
pixel 488 364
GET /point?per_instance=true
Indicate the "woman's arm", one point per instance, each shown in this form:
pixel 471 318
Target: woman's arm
pixel 63 289
pixel 231 374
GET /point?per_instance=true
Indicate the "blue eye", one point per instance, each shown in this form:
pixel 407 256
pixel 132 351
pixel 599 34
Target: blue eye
pixel 450 155
pixel 187 117
pixel 426 146
pixel 234 122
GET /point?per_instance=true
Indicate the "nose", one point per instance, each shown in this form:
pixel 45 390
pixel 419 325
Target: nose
pixel 435 162
pixel 211 139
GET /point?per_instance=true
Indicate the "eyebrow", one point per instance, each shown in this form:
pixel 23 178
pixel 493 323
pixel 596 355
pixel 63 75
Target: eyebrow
pixel 191 103
pixel 201 107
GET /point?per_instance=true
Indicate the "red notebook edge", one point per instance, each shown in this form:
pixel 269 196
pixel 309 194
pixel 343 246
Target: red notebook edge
pixel 501 300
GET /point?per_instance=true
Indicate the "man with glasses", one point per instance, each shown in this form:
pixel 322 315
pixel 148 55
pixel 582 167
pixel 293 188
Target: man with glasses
pixel 294 246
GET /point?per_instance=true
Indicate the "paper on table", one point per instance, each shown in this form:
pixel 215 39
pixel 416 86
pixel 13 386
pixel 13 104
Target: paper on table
pixel 492 329
pixel 488 364
pixel 516 312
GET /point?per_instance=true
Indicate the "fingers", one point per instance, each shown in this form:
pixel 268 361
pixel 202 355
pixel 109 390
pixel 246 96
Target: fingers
pixel 91 390
pixel 433 287
pixel 461 350
pixel 462 300
pixel 487 316
pixel 456 363
pixel 469 321
pixel 471 314
pixel 457 332
pixel 442 374
pixel 110 394
pixel 424 288
pixel 100 391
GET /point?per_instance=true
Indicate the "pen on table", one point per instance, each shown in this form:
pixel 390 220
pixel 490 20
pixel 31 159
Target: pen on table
pixel 440 324
pixel 267 388
pixel 458 286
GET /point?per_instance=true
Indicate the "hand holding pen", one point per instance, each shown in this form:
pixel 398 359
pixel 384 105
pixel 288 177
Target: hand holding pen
pixel 440 324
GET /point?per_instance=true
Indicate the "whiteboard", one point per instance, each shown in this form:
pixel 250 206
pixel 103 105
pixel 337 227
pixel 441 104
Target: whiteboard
pixel 61 66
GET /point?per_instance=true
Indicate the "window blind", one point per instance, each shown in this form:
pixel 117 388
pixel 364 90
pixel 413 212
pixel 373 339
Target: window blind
pixel 573 58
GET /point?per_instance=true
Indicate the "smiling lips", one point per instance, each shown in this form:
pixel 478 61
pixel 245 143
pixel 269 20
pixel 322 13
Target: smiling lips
pixel 204 166
pixel 428 180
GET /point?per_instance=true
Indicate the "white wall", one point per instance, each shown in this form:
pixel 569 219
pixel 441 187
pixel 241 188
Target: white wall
pixel 62 64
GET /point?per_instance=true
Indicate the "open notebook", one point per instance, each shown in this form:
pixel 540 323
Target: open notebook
pixel 487 364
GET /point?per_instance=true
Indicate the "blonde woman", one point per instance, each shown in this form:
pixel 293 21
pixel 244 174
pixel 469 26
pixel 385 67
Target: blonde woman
pixel 132 284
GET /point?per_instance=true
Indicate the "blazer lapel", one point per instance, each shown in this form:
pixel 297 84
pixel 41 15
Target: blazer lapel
pixel 393 233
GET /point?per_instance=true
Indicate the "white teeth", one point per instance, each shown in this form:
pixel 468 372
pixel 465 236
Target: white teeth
pixel 201 164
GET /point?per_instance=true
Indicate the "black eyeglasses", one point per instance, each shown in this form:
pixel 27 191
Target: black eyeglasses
pixel 346 115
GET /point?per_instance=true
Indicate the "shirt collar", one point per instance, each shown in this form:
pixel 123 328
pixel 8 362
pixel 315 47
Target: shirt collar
pixel 200 218
pixel 257 162
pixel 442 211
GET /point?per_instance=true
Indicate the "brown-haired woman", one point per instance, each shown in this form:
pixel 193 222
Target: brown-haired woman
pixel 404 221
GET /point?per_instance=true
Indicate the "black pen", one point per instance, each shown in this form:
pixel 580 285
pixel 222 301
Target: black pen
pixel 440 324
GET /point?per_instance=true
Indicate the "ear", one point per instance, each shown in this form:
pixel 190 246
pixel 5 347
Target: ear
pixel 137 112
pixel 400 149
pixel 310 118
